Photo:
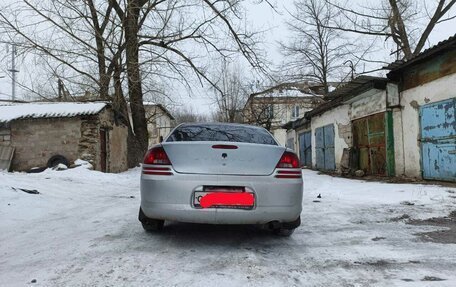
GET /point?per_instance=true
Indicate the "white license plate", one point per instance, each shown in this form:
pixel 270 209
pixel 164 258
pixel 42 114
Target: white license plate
pixel 198 196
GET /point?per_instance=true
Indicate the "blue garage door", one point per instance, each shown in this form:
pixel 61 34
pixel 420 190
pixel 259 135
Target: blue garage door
pixel 438 140
pixel 324 148
pixel 305 149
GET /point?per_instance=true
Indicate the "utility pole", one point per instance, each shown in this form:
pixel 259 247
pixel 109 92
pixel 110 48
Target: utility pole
pixel 13 71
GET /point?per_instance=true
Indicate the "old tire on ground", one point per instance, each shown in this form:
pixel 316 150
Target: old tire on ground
pixel 56 160
pixel 150 224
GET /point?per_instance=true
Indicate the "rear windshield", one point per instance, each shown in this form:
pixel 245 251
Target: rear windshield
pixel 227 133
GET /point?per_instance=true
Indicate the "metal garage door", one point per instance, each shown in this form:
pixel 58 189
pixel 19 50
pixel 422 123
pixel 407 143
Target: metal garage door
pixel 324 148
pixel 438 140
pixel 370 143
pixel 305 149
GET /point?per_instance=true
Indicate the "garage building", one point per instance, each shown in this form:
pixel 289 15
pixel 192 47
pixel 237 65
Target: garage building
pixel 43 134
pixel 427 125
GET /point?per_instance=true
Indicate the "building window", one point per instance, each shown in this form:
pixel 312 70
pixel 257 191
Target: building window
pixel 295 112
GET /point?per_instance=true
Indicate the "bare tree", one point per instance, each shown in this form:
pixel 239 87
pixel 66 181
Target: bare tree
pixel 394 19
pixel 189 115
pixel 234 94
pixel 260 112
pixel 94 43
pixel 315 52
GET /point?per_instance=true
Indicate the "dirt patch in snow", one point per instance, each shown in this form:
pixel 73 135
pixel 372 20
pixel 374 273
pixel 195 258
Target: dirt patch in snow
pixel 447 235
pixel 432 278
pixel 399 218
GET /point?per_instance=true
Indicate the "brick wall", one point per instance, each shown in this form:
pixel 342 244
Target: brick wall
pixel 37 140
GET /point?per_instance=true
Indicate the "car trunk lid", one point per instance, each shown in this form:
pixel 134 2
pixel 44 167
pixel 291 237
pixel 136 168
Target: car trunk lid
pixel 223 158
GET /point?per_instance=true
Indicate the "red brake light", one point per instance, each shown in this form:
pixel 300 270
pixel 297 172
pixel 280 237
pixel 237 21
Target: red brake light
pixel 157 155
pixel 288 160
pixel 224 146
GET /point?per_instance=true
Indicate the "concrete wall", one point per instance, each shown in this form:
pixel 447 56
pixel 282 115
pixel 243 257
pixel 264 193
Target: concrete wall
pixel 37 140
pixel 411 100
pixel 5 135
pixel 291 136
pixel 280 135
pixel 116 142
pixel 117 160
pixel 159 125
pixel 342 129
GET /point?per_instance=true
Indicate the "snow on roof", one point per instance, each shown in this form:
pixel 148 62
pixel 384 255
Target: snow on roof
pixel 48 110
pixel 149 103
pixel 5 103
pixel 292 93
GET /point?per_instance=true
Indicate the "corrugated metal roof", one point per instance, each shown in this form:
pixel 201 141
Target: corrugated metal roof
pixel 348 91
pixel 343 89
pixel 48 110
pixel 442 45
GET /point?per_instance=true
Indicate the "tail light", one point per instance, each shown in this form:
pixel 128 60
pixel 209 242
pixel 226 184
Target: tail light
pixel 157 156
pixel 289 160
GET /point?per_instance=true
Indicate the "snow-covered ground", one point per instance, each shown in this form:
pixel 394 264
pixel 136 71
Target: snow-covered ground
pixel 82 230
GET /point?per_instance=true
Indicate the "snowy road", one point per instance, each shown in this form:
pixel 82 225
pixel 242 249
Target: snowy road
pixel 82 230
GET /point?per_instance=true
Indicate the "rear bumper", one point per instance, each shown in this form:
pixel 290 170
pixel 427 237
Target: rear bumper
pixel 171 198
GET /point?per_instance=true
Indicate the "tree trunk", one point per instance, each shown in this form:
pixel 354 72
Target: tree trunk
pixel 134 152
pixel 138 114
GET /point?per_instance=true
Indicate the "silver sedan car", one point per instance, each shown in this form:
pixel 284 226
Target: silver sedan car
pixel 221 174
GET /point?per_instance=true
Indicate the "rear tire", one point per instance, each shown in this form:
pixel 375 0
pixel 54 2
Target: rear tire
pixel 150 224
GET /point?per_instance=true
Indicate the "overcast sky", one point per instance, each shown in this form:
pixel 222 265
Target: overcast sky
pixel 259 17
pixel 262 17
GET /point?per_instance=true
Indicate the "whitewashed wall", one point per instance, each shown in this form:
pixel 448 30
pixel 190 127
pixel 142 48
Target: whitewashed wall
pixel 435 91
pixel 280 135
pixel 363 106
pixel 337 116
pixel 291 135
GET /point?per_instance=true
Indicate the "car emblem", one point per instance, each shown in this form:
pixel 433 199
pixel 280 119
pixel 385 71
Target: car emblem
pixel 224 155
